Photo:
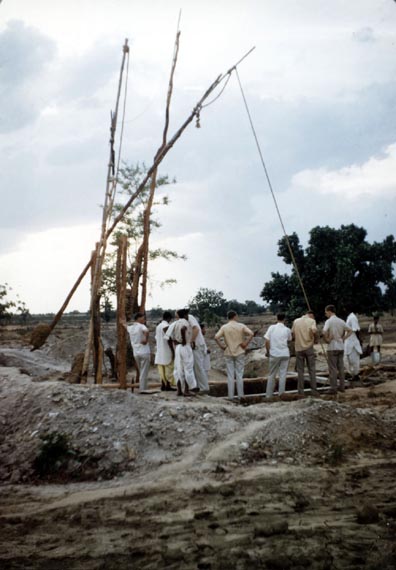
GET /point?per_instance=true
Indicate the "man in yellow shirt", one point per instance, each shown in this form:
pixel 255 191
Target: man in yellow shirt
pixel 235 336
pixel 305 333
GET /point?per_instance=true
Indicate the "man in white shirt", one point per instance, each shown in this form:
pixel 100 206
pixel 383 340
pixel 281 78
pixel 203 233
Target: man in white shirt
pixel 352 346
pixel 180 332
pixel 139 334
pixel 335 332
pixel 236 336
pixel 164 353
pixel 276 339
pixel 199 352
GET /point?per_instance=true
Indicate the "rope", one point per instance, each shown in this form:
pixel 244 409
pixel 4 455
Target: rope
pixel 273 194
pixel 277 207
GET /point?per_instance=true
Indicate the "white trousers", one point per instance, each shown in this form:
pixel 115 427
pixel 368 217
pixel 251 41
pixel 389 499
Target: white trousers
pixel 235 366
pixel 277 365
pixel 183 371
pixel 201 375
pixel 353 362
pixel 143 365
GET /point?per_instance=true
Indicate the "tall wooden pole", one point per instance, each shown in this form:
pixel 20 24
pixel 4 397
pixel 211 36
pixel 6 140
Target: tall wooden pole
pixel 121 278
pixel 106 217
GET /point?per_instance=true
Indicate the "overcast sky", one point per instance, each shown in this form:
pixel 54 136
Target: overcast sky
pixel 321 87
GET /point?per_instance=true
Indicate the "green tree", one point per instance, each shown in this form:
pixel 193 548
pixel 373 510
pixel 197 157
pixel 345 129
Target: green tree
pixel 133 226
pixel 208 305
pixel 390 296
pixel 339 266
pixel 5 304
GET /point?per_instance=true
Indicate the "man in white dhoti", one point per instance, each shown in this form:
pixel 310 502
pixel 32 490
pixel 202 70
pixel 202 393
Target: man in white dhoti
pixel 180 332
pixel 164 353
pixel 199 352
pixel 352 346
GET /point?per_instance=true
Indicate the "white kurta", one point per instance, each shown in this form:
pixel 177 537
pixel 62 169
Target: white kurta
pixel 352 342
pixel 163 355
pixel 352 347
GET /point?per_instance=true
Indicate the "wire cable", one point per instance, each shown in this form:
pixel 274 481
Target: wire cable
pixel 273 194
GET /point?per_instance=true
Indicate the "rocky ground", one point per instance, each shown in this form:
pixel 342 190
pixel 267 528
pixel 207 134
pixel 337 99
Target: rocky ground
pixel 101 479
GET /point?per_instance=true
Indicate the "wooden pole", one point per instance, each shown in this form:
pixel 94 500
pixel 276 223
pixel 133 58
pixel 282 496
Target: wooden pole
pixel 88 347
pixel 121 278
pixel 106 217
pixel 153 182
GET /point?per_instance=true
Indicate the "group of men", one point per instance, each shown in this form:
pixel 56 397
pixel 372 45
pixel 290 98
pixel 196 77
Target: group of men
pixel 342 339
pixel 181 355
pixel 183 358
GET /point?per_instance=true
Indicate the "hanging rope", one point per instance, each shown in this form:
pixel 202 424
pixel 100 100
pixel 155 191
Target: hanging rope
pixel 273 195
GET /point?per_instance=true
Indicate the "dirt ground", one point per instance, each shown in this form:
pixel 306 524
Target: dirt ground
pixel 105 479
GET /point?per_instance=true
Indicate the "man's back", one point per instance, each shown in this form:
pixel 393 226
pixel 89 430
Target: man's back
pixel 278 336
pixel 304 329
pixel 234 335
pixel 335 329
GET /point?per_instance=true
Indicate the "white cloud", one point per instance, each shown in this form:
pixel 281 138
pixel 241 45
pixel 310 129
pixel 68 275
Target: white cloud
pixel 375 178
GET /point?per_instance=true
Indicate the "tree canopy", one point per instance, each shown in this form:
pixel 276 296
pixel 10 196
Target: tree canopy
pixel 210 305
pixel 337 267
pixel 139 222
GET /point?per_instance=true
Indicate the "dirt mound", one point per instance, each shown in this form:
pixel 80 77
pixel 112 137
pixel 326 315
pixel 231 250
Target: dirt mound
pixel 57 431
pixel 316 431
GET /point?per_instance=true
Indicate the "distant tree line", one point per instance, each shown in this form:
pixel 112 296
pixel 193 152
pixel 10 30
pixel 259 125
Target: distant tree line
pixel 210 306
pixel 337 267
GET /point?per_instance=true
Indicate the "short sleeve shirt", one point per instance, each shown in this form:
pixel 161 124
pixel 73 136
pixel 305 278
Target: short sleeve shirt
pixel 304 330
pixel 234 335
pixel 336 328
pixel 278 336
pixel 137 334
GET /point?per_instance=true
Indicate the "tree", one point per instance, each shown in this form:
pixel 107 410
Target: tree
pixel 8 307
pixel 5 304
pixel 339 267
pixel 208 305
pixel 137 224
pixel 390 296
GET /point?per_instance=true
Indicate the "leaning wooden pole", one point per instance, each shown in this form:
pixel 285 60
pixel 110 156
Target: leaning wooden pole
pixel 121 281
pixel 159 156
pixel 153 183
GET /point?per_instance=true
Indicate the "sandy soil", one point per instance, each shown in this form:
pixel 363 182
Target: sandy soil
pixel 156 481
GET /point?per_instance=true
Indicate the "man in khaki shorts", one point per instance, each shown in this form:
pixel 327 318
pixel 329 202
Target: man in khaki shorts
pixel 236 337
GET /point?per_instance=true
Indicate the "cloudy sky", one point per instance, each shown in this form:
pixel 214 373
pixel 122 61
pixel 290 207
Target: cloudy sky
pixel 321 87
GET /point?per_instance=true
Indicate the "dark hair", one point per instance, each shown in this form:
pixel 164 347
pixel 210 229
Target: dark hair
pixel 280 316
pixel 231 314
pixel 203 325
pixel 330 308
pixel 182 313
pixel 167 316
pixel 138 316
pixel 310 313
